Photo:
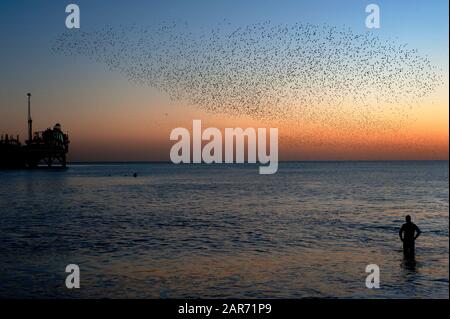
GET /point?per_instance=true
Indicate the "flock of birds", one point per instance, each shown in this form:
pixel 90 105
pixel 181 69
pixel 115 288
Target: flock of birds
pixel 317 73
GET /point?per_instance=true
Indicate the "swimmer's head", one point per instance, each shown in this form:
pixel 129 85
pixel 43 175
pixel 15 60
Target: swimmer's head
pixel 408 218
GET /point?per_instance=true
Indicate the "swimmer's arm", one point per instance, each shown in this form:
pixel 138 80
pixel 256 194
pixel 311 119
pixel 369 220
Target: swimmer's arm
pixel 400 233
pixel 418 232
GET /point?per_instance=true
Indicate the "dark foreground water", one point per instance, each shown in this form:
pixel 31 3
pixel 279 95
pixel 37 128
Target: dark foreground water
pixel 224 231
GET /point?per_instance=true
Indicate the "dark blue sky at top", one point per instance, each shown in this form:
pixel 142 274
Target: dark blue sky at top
pixel 29 28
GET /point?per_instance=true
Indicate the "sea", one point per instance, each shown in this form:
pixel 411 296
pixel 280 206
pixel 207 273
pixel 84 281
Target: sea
pixel 160 230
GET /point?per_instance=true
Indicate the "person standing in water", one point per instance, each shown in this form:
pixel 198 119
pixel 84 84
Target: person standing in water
pixel 408 235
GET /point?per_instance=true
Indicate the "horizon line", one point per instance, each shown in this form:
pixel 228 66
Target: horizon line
pixel 283 161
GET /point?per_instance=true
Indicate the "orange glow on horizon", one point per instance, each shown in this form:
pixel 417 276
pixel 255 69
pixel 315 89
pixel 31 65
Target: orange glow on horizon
pixel 134 124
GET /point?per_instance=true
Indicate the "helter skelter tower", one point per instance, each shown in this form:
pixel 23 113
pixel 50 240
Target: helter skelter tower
pixel 30 121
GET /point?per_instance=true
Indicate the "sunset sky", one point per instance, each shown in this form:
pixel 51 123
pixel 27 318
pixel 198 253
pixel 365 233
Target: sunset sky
pixel 109 118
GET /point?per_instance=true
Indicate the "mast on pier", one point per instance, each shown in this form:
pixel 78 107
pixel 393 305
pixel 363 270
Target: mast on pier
pixel 30 122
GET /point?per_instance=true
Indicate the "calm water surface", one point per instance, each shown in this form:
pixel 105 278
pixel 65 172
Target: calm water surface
pixel 224 231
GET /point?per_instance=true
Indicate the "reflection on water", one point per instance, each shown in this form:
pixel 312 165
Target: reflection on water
pixel 224 231
pixel 411 275
pixel 409 264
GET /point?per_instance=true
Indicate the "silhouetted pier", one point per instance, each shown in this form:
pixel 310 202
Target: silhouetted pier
pixel 48 148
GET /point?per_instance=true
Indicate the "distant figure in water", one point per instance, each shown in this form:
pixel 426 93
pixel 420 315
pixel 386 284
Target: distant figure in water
pixel 135 175
pixel 408 234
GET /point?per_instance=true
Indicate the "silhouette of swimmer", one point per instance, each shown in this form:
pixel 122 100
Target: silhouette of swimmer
pixel 408 235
